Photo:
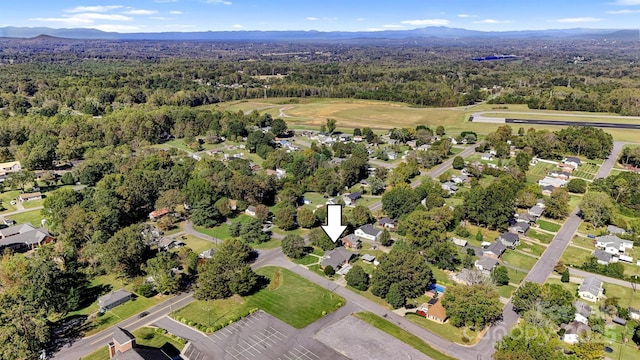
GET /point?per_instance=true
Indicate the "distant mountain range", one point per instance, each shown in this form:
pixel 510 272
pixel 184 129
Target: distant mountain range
pixel 427 32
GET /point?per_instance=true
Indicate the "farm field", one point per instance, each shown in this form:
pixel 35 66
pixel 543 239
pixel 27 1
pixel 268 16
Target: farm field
pixel 380 115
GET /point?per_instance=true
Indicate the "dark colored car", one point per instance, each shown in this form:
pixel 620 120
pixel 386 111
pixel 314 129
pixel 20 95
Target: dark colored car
pixel 143 314
pixel 608 349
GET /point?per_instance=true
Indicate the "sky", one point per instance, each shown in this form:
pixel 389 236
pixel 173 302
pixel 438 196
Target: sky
pixel 321 15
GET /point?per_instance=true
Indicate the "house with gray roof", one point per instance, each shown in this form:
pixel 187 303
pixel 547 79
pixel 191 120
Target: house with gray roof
pixel 536 211
pixel 24 236
pixel 526 218
pixel 368 232
pixel 509 239
pixel 351 241
pixel 604 258
pixel 591 289
pixel 495 250
pixel 113 299
pixel 613 244
pixel 450 187
pixel 486 264
pixel 614 230
pixel 336 258
pixel 583 311
pixel 519 228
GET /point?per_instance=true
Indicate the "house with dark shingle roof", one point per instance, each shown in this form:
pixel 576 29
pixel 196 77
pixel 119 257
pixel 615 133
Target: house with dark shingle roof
pixel 336 258
pixel 591 289
pixel 351 199
pixel 495 250
pixel 510 239
pixel 351 241
pixel 113 299
pixel 603 257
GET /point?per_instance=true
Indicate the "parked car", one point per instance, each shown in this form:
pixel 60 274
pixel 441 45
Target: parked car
pixel 143 314
pixel 421 313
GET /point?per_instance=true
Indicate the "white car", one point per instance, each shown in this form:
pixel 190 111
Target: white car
pixel 13 202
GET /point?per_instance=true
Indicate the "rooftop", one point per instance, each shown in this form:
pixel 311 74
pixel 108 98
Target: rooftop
pixel 592 285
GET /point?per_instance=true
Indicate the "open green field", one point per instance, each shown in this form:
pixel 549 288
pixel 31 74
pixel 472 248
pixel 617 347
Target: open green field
pixel 446 330
pixel 196 244
pixel 350 113
pixel 515 276
pixel 531 248
pixel 220 231
pixel 548 225
pixel 289 297
pixel 519 260
pixel 505 291
pixel 539 170
pixel 402 335
pixel 145 337
pixel 540 236
pixel 34 217
pixel 586 171
pixel 575 256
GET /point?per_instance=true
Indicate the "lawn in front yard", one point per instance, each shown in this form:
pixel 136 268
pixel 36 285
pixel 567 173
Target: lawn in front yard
pixel 402 335
pixel 540 236
pixel 531 248
pixel 34 217
pixel 575 256
pixel 516 276
pixel 627 297
pixel 220 231
pixel 519 260
pixel 289 297
pixel 446 330
pixel 548 225
pixel 196 244
pixel 505 291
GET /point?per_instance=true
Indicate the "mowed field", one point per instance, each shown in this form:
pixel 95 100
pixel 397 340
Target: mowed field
pixel 382 115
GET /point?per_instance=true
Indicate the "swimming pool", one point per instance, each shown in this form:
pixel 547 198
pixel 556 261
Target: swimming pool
pixel 437 287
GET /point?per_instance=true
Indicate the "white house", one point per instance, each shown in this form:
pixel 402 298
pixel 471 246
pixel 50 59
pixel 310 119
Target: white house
pixel 487 156
pixel 613 244
pixel 486 264
pixel 573 331
pixel 591 289
pixel 583 311
pixel 551 181
pixel 368 232
pixel 573 161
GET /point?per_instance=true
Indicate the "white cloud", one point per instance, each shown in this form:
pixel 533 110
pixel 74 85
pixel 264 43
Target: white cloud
pixel 237 26
pixel 64 20
pixel 627 2
pixel 360 19
pixel 392 26
pixel 373 29
pixel 218 2
pixel 180 26
pixel 99 8
pixel 117 27
pixel 159 18
pixel 492 21
pixel 625 11
pixel 311 18
pixel 466 16
pixel 427 22
pixel 329 18
pixel 98 16
pixel 576 20
pixel 175 12
pixel 140 12
pixel 83 18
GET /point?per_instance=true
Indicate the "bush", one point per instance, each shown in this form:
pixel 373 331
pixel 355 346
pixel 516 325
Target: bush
pixel 577 186
pixel 146 290
pixel 329 271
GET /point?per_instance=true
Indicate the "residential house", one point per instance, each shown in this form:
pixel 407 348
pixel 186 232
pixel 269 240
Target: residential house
pixel 583 311
pixel 566 168
pixel 251 210
pixel 344 137
pixel 388 223
pixel 113 299
pixel 559 174
pixel 634 314
pixel 169 243
pixel 614 230
pixel 412 144
pixel 526 218
pixel 573 331
pixel 30 197
pixel 487 156
pixel 613 244
pixel 591 289
pixel 555 182
pixel 351 241
pixel 437 312
pixel 519 228
pixel 573 161
pixel 24 237
pixel 547 190
pixel 510 239
pixel 123 347
pixel 391 155
pixel 460 179
pixel 359 138
pixel 7 221
pixel 368 232
pixel 207 254
pixel 156 214
pixel 336 258
pixel 536 211
pixel 351 199
pixel 11 166
pixel 486 264
pixel 540 203
pixel 459 242
pixel 495 250
pixel 423 147
pixel 450 187
pixel 604 258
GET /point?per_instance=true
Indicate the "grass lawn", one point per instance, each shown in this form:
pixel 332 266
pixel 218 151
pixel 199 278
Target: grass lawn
pixel 540 236
pixel 539 171
pixel 315 198
pixel 402 335
pixel 147 337
pixel 6 198
pixel 271 244
pixel 626 295
pixel 505 291
pixel 446 330
pixel 369 296
pixel 516 276
pixel 196 244
pixel 519 260
pixel 441 276
pixel 548 225
pixel 584 242
pixel 531 248
pixel 220 231
pixel 34 217
pixel 289 297
pixel 307 260
pixel 571 287
pixel 575 256
pixel 574 201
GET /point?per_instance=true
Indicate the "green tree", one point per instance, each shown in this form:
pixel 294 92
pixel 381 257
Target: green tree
pixel 293 246
pixel 124 252
pixel 357 278
pixel 565 276
pixel 475 305
pixel 444 255
pixel 360 215
pixel 526 297
pixel 522 160
pixel 23 328
pixel 458 163
pixel 587 349
pixel 396 296
pixel 399 265
pixel 479 236
pixel 557 206
pixel 317 237
pixel 329 271
pixel 596 208
pixel 278 127
pixel 160 268
pixel 440 130
pixel 285 217
pixel 500 276
pixel 306 218
pixel 251 232
pixel 331 125
pixel 399 201
pixel 577 186
pixel 385 238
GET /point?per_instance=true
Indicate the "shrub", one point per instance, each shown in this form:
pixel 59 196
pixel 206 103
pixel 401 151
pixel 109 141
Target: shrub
pixel 146 290
pixel 329 271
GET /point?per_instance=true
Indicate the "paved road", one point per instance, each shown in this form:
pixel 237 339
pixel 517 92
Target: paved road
pixel 610 161
pixel 89 344
pixel 22 211
pixel 434 173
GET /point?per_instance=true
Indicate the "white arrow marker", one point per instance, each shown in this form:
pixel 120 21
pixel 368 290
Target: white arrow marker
pixel 334 227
